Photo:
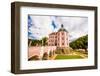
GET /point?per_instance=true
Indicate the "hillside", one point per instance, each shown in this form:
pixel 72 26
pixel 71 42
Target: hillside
pixel 80 43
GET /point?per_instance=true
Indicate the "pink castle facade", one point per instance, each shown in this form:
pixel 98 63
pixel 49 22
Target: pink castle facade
pixel 59 39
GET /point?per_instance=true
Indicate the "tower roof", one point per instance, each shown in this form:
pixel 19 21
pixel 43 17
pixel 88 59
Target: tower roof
pixel 62 29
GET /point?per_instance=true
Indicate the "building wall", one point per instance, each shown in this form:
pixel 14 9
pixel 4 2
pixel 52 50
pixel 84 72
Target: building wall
pixel 52 40
pixel 59 39
pixel 62 39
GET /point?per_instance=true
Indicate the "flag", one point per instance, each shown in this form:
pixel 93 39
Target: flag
pixel 54 25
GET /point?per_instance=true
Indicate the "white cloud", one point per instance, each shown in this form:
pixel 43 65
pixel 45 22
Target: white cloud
pixel 76 26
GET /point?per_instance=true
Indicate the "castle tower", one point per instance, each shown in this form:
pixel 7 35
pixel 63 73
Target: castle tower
pixel 59 39
pixel 62 38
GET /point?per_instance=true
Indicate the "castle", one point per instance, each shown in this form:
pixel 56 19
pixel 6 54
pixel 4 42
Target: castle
pixel 59 39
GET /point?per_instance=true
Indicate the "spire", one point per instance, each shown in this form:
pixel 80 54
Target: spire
pixel 62 28
pixel 62 25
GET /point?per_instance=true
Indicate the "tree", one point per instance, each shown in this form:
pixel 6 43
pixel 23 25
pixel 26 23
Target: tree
pixel 44 41
pixel 80 43
pixel 35 42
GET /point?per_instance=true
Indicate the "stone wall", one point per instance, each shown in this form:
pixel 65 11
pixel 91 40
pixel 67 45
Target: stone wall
pixel 40 50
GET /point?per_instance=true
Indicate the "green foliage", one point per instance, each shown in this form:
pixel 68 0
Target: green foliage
pixel 41 42
pixel 44 41
pixel 80 43
pixel 68 57
pixel 36 42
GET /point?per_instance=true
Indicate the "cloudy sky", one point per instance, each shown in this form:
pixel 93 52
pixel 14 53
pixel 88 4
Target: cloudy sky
pixel 41 26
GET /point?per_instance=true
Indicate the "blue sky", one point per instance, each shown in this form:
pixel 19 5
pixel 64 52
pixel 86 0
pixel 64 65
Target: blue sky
pixel 41 26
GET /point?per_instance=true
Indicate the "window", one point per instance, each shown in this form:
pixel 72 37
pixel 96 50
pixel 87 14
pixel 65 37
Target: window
pixel 62 43
pixel 55 44
pixel 62 33
pixel 62 38
pixel 55 36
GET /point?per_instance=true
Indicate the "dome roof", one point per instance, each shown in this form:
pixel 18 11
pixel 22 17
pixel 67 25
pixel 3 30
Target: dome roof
pixel 62 29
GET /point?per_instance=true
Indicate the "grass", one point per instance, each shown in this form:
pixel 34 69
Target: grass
pixel 68 57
